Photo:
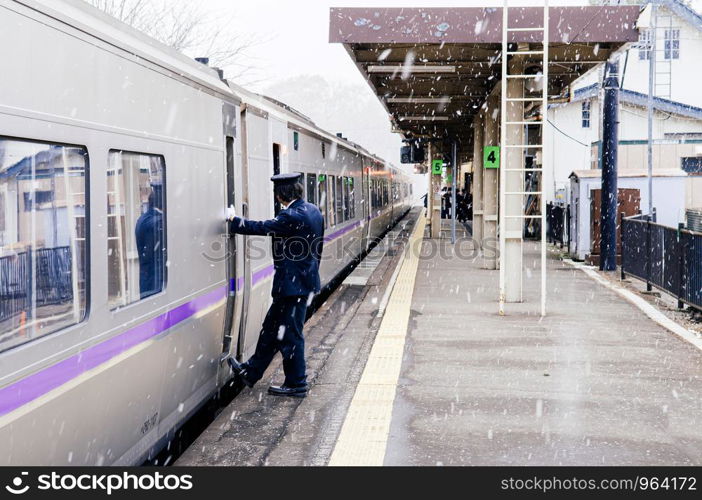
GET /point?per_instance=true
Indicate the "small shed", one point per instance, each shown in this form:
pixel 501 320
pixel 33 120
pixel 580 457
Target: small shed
pixel 585 197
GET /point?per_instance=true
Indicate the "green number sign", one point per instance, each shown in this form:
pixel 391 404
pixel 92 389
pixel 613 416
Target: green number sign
pixel 436 166
pixel 491 157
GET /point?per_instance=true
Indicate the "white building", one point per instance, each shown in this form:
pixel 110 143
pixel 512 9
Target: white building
pixel 575 132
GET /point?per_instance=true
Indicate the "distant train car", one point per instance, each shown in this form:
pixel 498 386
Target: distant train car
pixel 359 195
pixel 120 291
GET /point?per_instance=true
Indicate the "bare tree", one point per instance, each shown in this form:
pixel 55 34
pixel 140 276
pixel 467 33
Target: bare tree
pixel 188 28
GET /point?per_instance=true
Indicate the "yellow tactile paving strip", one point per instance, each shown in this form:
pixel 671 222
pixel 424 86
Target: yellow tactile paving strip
pixel 364 434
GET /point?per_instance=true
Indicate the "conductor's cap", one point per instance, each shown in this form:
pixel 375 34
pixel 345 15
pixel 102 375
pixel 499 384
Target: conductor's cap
pixel 286 179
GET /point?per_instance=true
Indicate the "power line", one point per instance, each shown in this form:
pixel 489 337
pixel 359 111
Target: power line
pixel 568 136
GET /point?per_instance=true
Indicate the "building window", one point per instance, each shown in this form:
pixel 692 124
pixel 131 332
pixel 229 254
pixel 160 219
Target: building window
pixel 296 140
pixel 43 253
pixel 136 237
pixel 672 44
pixel 644 45
pixel 586 113
pixel 41 199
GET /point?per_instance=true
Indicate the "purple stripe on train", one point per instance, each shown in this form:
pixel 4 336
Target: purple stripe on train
pixel 342 231
pixel 29 388
pixel 236 284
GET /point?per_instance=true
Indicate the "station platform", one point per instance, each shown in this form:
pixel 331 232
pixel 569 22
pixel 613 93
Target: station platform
pixel 412 365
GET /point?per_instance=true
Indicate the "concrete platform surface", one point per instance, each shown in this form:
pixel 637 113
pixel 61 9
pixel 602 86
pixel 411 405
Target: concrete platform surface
pixel 595 382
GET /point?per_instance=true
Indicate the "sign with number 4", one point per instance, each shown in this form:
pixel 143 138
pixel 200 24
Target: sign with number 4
pixel 491 157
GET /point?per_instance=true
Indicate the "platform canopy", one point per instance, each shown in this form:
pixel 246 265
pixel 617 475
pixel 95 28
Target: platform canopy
pixel 432 68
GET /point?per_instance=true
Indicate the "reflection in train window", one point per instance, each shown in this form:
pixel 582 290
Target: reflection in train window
pixel 43 253
pixel 311 189
pixel 136 239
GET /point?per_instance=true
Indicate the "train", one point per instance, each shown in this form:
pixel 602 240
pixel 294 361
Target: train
pixel 121 292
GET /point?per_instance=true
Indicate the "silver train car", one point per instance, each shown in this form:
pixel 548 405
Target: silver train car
pixel 120 291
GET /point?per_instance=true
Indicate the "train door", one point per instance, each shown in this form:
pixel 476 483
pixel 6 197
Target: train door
pixel 367 207
pixel 276 171
pixel 391 195
pixel 230 254
pixel 257 153
pixel 245 280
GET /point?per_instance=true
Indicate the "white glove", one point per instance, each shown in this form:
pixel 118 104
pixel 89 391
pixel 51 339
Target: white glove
pixel 230 213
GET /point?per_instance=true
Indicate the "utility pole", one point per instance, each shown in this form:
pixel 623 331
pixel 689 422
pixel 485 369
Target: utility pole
pixel 610 144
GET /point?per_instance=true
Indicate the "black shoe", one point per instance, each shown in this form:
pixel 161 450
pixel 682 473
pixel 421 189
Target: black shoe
pixel 284 390
pixel 239 370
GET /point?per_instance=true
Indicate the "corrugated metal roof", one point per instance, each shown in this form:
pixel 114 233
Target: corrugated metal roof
pixel 588 174
pixel 641 100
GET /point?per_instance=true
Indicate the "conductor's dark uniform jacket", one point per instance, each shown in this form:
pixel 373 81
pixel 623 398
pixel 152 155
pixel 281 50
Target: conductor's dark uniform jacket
pixel 298 239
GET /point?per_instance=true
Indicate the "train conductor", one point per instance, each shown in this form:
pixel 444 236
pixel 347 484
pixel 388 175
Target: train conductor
pixel 298 237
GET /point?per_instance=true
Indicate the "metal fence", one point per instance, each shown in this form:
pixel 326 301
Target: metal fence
pixel 667 258
pixel 53 284
pixel 557 224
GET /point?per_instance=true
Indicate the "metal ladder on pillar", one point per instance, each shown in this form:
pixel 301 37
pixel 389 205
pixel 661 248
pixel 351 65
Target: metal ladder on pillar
pixel 663 31
pixel 505 144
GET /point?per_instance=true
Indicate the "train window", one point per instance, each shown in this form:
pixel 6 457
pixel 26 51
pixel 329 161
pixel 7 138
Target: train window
pixel 347 211
pixel 311 189
pixel 136 239
pixel 351 196
pixel 324 150
pixel 340 201
pixel 43 248
pixel 322 201
pixel 332 200
pixel 378 195
pixel 3 226
pixel 296 140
